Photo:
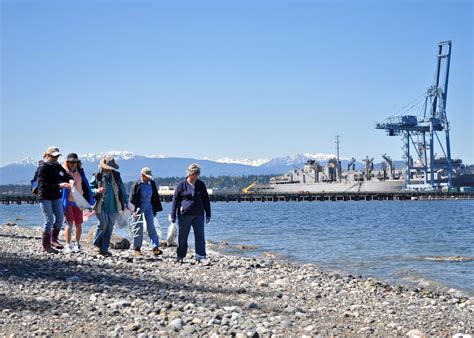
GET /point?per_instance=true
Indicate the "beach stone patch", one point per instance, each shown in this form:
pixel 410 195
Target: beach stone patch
pixel 85 294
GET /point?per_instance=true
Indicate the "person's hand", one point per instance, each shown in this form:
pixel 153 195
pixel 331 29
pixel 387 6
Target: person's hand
pixel 101 190
pixel 208 219
pixel 65 185
pixel 130 207
pixel 171 219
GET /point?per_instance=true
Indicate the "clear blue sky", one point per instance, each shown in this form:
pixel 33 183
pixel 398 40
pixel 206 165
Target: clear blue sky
pixel 225 78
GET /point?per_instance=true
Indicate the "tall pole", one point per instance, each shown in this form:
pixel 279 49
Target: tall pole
pixel 445 98
pixel 407 154
pixel 338 162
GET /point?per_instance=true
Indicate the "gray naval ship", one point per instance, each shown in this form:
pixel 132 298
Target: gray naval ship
pixel 315 178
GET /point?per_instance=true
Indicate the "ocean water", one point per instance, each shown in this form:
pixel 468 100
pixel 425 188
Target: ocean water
pixel 421 243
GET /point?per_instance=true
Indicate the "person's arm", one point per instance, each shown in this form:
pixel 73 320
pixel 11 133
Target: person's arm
pixel 65 177
pixel 206 203
pixel 124 192
pixel 94 184
pixel 176 203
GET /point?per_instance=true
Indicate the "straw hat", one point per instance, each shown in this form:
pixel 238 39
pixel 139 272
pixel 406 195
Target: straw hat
pixel 108 162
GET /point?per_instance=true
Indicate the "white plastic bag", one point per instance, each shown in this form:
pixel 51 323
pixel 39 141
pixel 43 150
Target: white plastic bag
pixel 122 219
pixel 80 201
pixel 158 228
pixel 171 238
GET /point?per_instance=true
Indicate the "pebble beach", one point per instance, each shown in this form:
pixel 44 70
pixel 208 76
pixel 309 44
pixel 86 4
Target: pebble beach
pixel 125 295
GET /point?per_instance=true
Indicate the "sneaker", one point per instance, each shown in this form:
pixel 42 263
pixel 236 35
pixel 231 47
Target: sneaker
pixel 77 247
pixel 138 252
pixel 179 260
pixel 105 254
pixel 68 249
pixel 204 262
pixel 157 251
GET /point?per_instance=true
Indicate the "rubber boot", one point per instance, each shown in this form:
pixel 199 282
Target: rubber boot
pixel 46 242
pixel 54 239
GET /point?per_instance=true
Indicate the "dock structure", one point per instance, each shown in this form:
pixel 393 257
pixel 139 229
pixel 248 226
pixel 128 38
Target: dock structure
pixel 301 197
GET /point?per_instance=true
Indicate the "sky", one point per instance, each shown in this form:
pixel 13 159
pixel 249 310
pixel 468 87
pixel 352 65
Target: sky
pixel 214 79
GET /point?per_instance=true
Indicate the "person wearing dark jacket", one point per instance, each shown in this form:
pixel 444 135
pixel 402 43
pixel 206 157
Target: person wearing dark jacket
pixel 51 179
pixel 191 204
pixel 144 196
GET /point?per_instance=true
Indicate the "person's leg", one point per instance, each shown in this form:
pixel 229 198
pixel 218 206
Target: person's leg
pixel 59 220
pixel 137 231
pixel 150 227
pixel 110 221
pixel 47 209
pixel 78 220
pixel 184 226
pixel 69 215
pixel 100 231
pixel 199 238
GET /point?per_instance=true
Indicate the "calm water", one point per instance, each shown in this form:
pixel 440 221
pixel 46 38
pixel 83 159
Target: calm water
pixel 391 240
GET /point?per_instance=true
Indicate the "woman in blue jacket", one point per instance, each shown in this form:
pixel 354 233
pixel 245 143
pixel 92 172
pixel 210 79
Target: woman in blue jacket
pixel 191 204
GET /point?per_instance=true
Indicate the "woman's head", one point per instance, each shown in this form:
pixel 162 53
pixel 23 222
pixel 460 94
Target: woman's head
pixel 72 161
pixel 107 163
pixel 146 174
pixel 51 154
pixel 193 172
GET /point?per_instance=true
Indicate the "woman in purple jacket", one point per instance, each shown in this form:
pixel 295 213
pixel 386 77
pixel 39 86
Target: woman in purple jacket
pixel 191 203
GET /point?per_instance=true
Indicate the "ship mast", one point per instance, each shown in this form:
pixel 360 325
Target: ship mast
pixel 338 162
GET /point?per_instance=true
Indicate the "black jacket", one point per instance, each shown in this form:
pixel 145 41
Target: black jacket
pixel 49 177
pixel 155 197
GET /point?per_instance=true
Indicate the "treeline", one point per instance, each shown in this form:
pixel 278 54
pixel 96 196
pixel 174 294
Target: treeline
pixel 214 182
pixel 220 182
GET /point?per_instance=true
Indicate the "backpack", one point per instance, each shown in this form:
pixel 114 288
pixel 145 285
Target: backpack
pixel 34 184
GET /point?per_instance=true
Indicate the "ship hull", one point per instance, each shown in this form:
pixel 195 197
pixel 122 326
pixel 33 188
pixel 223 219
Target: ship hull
pixel 356 187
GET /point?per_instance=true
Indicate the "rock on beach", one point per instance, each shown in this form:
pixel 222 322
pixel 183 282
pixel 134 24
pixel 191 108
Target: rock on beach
pixel 124 295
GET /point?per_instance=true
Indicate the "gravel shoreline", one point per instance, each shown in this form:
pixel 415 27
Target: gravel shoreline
pixel 86 294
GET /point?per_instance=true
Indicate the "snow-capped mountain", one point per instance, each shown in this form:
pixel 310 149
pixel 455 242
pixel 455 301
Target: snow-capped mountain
pixel 130 165
pixel 245 161
pixel 298 159
pixel 26 161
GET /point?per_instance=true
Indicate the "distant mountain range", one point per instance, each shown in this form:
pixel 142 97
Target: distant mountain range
pixel 130 165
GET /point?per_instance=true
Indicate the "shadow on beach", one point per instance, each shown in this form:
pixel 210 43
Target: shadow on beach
pixel 97 277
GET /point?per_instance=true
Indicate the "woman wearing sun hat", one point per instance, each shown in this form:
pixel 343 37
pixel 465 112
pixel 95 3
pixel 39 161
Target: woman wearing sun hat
pixel 110 198
pixel 51 179
pixel 71 211
pixel 144 196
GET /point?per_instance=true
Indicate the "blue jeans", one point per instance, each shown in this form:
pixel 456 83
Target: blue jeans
pixel 137 229
pixel 184 227
pixel 104 230
pixel 53 214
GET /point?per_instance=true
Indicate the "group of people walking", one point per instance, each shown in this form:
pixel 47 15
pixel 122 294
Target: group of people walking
pixel 108 196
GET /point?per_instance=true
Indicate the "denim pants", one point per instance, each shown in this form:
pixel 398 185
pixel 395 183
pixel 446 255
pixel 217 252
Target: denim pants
pixel 53 214
pixel 184 227
pixel 104 230
pixel 137 229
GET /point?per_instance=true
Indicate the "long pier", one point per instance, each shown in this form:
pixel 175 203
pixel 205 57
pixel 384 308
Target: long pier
pixel 303 197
